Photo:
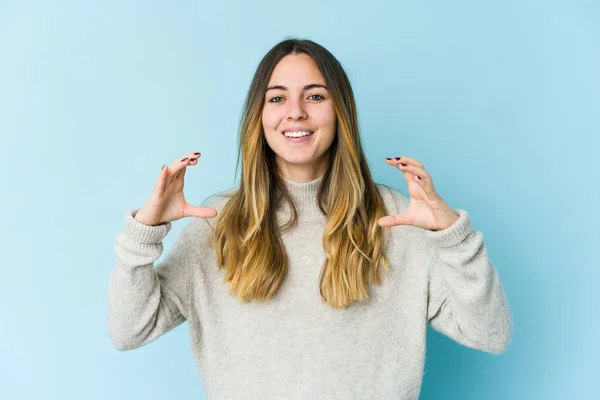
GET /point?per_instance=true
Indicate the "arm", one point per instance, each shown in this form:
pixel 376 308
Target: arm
pixel 144 303
pixel 466 300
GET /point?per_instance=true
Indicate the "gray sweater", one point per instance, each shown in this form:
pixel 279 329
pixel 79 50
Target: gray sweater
pixel 296 346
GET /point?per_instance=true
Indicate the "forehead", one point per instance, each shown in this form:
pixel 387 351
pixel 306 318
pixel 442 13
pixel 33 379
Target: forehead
pixel 296 69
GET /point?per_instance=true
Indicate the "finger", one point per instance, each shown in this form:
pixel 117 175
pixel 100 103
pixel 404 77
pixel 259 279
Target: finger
pixel 199 211
pixel 178 167
pixel 421 176
pixel 419 172
pixel 408 160
pixel 403 161
pixel 394 162
pixel 407 174
pixel 161 182
pixel 193 157
pixel 394 220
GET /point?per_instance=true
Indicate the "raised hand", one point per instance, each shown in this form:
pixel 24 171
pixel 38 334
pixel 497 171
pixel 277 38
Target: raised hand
pixel 167 202
pixel 427 210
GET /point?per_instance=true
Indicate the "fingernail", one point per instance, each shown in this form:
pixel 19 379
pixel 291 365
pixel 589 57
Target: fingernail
pixel 398 158
pixel 192 159
pixel 388 158
pixel 404 165
pixel 197 154
pixel 163 167
pixel 184 159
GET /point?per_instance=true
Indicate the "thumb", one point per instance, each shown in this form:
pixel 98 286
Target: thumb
pixel 393 220
pixel 200 212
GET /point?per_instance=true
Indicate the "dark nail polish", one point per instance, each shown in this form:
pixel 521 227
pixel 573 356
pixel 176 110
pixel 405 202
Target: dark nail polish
pixel 197 154
pixel 163 167
pixel 404 165
pixel 398 158
pixel 184 159
pixel 192 159
pixel 388 158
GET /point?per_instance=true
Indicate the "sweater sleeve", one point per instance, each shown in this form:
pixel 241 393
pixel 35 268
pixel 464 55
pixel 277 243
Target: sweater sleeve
pixel 466 300
pixel 144 303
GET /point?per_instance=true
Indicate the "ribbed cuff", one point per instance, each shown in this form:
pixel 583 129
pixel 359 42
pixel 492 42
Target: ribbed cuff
pixel 143 233
pixel 455 233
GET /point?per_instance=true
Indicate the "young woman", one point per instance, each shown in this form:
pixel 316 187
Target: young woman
pixel 309 280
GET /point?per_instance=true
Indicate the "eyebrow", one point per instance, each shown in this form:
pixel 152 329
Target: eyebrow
pixel 307 87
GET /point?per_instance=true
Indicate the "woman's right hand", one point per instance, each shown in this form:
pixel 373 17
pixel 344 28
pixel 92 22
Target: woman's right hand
pixel 167 202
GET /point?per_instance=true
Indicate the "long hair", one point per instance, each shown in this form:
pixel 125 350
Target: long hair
pixel 247 238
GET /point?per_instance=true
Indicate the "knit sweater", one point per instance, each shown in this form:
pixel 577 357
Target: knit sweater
pixel 296 346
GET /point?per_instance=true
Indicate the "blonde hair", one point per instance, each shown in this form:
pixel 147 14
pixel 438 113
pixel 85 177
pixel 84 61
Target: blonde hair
pixel 247 239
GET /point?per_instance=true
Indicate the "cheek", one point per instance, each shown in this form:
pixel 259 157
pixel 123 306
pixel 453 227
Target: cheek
pixel 270 119
pixel 326 117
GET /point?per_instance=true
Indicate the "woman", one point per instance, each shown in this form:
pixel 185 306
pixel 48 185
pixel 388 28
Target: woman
pixel 284 292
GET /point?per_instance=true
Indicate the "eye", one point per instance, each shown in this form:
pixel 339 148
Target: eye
pixel 276 97
pixel 318 95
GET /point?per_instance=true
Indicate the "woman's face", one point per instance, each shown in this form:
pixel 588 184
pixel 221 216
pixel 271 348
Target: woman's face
pixel 297 101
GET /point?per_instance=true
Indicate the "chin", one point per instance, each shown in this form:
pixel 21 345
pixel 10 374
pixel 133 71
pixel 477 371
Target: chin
pixel 295 159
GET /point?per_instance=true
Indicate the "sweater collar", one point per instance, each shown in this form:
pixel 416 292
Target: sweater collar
pixel 304 195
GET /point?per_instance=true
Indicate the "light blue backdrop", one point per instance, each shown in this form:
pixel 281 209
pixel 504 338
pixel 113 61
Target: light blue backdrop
pixel 500 101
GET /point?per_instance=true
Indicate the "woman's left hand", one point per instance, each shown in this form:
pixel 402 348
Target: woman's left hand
pixel 427 209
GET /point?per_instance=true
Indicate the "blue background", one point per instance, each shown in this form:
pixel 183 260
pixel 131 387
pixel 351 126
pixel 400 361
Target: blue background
pixel 499 100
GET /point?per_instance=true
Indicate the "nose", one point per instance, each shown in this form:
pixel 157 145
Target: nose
pixel 296 110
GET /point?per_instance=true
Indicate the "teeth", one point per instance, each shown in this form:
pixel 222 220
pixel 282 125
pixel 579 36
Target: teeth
pixel 297 134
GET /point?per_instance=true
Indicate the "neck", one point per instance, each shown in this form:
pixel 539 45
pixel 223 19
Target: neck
pixel 303 173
